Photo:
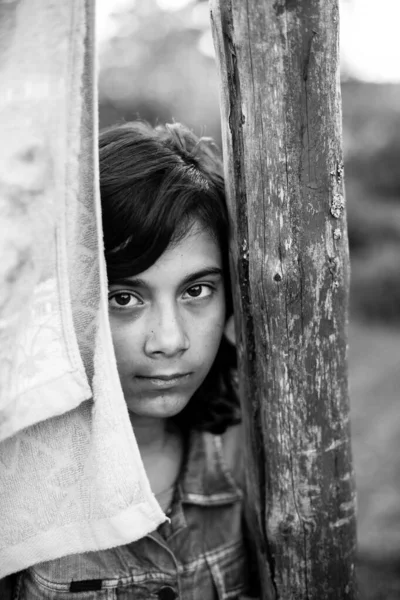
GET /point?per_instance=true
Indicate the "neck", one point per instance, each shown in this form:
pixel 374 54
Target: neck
pixel 151 434
pixel 161 451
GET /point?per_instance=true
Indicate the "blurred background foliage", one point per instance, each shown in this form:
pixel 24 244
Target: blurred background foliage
pixel 156 62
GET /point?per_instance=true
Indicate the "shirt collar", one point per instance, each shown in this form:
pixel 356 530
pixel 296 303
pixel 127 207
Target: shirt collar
pixel 206 479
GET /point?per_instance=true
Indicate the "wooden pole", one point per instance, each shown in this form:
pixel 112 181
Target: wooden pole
pixel 281 123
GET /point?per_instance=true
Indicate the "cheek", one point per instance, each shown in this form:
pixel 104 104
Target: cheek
pixel 125 343
pixel 209 334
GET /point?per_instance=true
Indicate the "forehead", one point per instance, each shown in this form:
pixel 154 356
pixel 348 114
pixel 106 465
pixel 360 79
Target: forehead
pixel 197 250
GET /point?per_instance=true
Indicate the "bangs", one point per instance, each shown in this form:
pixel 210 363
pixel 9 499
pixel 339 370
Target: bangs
pixel 159 223
pixel 154 185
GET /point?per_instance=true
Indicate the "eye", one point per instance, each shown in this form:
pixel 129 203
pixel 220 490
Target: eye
pixel 121 300
pixel 198 291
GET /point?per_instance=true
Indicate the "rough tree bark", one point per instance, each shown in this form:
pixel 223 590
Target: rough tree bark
pixel 281 123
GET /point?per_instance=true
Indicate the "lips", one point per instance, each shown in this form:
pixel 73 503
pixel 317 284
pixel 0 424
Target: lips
pixel 163 377
pixel 162 381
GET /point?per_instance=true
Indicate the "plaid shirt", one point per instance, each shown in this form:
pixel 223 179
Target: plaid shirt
pixel 199 555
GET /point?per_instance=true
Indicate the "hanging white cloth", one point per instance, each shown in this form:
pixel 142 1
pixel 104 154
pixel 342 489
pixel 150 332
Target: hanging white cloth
pixel 71 476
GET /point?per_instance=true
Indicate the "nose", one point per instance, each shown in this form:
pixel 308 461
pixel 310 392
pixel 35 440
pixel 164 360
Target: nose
pixel 166 334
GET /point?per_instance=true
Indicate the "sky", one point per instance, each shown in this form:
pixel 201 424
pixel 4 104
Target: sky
pixel 370 46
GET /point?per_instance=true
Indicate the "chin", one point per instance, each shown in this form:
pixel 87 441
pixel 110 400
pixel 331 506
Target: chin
pixel 159 407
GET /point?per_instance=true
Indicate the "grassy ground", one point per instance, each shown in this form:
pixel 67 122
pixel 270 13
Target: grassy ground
pixel 374 390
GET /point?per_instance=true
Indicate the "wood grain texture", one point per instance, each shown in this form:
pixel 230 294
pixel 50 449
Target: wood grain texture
pixel 281 121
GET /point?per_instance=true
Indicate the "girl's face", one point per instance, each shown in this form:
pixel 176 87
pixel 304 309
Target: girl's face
pixel 167 324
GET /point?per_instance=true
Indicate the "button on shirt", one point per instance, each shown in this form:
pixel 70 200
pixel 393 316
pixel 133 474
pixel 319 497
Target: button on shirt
pixel 199 555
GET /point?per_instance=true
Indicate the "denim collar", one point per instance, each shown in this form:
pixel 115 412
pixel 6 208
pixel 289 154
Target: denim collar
pixel 206 479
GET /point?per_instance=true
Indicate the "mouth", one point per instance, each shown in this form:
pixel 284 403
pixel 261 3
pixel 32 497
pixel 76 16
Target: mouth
pixel 163 381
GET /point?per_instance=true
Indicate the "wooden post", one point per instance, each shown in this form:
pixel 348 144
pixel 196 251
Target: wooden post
pixel 281 122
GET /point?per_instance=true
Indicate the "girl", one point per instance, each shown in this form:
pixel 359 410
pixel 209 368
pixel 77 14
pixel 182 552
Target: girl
pixel 166 244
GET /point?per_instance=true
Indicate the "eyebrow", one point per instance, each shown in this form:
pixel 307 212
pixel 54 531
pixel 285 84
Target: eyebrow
pixel 141 283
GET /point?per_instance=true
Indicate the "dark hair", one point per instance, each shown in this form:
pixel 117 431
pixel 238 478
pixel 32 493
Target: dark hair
pixel 154 183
